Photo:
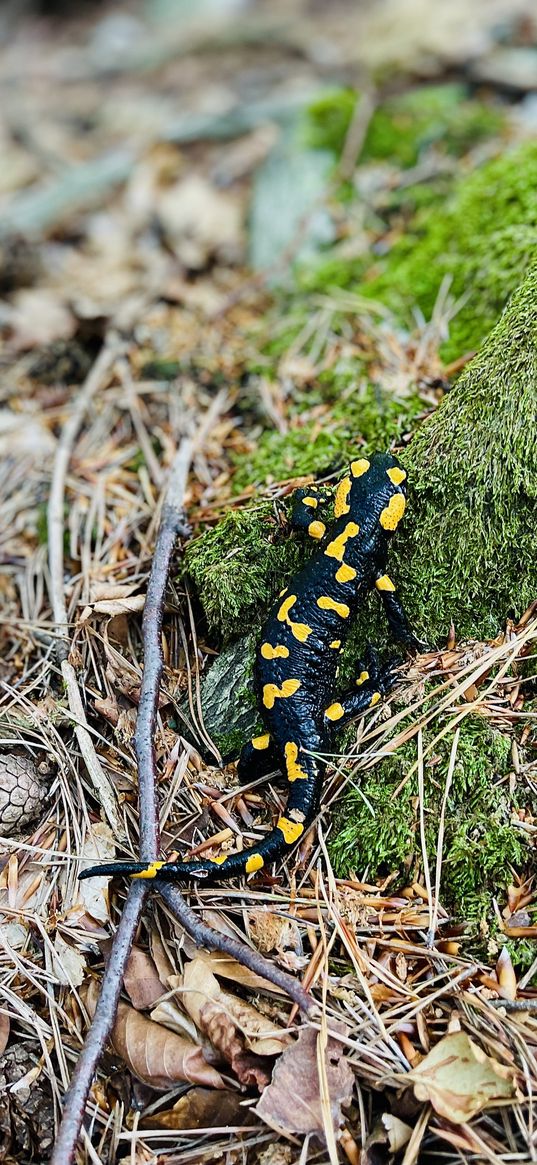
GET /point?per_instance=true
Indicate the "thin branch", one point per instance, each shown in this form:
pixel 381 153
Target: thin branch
pixel 172 522
pixel 55 516
pixel 74 1104
pixel 205 936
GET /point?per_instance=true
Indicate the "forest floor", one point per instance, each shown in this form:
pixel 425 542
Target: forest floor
pixel 203 219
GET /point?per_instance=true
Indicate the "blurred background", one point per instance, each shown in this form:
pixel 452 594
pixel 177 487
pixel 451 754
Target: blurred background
pixel 144 142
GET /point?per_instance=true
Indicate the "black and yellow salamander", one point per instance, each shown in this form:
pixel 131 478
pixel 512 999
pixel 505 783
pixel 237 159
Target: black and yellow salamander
pixel 297 657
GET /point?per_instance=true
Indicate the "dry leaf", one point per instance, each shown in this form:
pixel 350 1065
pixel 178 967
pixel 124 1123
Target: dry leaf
pixel 292 1109
pixel 68 964
pixel 202 1108
pixel 459 1079
pixel 99 845
pixel 228 968
pixel 397 1131
pixel 274 933
pixel 119 606
pixel 107 591
pixel 506 975
pixel 200 221
pixel 160 957
pixel 36 316
pixel 170 1015
pixel 5 1026
pixel 141 980
pixel 234 1027
pixel 24 436
pixel 156 1056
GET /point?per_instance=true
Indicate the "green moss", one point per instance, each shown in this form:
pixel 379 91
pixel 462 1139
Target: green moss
pixel 277 457
pixel 376 833
pixel 239 565
pixel 405 125
pixel 161 369
pixel 483 241
pixel 467 550
pixel 359 415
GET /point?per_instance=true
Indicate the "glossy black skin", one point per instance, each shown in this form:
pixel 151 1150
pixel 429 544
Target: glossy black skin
pixel 307 659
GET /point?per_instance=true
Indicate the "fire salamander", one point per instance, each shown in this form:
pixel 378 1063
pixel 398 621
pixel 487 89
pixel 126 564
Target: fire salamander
pixel 296 663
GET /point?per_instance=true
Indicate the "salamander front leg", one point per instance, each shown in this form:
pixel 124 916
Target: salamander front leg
pixel 396 616
pixel 371 685
pixel 258 758
pixel 307 513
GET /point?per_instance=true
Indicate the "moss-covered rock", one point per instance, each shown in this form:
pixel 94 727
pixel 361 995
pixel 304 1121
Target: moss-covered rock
pixel 239 565
pixel 376 832
pixel 482 241
pixel 467 550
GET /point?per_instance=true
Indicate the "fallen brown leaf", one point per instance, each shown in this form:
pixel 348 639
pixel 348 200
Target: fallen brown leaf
pixel 293 1103
pixel 460 1080
pixel 202 1108
pixel 5 1026
pixel 141 980
pixel 225 967
pixel 152 1053
pixel 233 1026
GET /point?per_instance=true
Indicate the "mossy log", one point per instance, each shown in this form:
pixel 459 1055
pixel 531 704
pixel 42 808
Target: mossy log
pixel 467 552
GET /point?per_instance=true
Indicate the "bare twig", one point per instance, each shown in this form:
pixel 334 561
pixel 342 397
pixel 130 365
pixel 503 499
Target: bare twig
pixel 172 522
pixel 55 516
pixel 205 936
pixel 74 1105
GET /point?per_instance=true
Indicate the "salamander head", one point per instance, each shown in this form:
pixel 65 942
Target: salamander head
pixel 375 486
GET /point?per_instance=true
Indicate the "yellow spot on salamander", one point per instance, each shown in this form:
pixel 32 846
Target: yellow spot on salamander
pixel 316 529
pixel 255 862
pixel 364 675
pixel 393 512
pixel 309 501
pixel 336 643
pixel 345 573
pixel 328 604
pixel 291 830
pixel 335 712
pixel 151 871
pixel 341 504
pixel 219 861
pixel 295 772
pixel 374 699
pixel 261 742
pixel 336 548
pixel 360 467
pixel 283 613
pixel 271 692
pixel 299 630
pixel 384 583
pixel 396 474
pixel 270 652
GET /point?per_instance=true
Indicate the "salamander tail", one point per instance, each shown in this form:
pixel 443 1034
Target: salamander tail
pixel 130 869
